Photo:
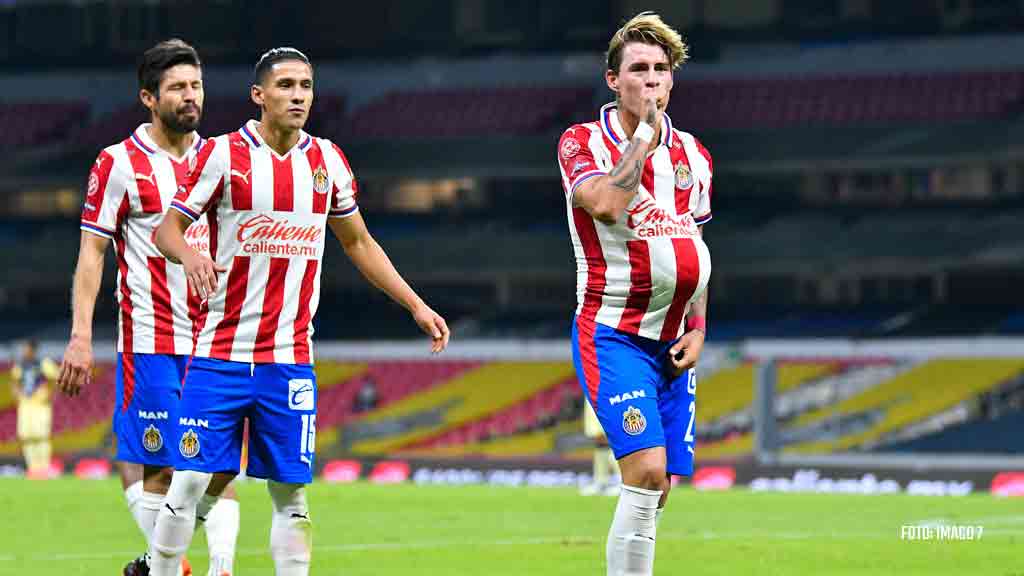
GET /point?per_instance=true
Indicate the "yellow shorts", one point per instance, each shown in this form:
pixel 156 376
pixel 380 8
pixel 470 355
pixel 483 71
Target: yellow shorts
pixel 34 419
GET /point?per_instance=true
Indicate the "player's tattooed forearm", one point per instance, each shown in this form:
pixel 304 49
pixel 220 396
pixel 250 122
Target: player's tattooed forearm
pixel 626 180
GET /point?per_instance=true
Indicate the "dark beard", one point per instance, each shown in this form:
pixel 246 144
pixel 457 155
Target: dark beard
pixel 179 124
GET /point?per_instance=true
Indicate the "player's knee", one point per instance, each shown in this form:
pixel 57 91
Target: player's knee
pixel 220 485
pixel 188 486
pixel 157 478
pixel 648 474
pixel 291 531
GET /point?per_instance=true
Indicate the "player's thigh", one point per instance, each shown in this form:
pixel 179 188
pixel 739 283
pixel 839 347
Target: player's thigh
pixel 282 427
pixel 644 468
pixel 146 408
pixel 215 399
pixel 678 406
pixel 620 377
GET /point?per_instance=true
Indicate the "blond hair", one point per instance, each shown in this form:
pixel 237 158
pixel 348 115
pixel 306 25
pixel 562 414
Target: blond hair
pixel 648 28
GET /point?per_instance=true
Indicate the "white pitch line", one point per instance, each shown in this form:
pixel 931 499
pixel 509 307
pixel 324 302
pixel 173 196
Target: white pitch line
pixel 570 540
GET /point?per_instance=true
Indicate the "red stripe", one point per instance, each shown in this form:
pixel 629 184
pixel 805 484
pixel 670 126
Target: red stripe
pixel 94 201
pixel 315 157
pixel 192 176
pixel 677 155
pixel 707 156
pixel 284 193
pixel 344 160
pixel 596 265
pixel 588 356
pixel 304 315
pixel 145 178
pixel 687 276
pixel 639 286
pixel 273 301
pixel 127 332
pixel 128 379
pixel 241 173
pixel 163 317
pixel 224 335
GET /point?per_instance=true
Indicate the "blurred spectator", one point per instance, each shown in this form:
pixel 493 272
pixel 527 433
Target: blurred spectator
pixel 29 377
pixel 367 397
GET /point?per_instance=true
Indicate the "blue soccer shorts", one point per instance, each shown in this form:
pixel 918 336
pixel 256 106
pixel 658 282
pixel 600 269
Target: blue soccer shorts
pixel 145 414
pixel 278 399
pixel 640 404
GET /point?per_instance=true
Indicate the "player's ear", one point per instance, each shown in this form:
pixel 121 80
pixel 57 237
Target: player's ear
pixel 256 94
pixel 612 79
pixel 147 98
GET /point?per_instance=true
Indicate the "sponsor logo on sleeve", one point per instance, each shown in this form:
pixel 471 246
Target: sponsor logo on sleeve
pixel 570 147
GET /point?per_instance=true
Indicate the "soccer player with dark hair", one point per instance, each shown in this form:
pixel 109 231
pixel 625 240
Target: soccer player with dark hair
pixel 130 187
pixel 271 191
pixel 638 192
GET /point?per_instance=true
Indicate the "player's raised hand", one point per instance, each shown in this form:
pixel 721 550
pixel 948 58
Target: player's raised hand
pixel 651 111
pixel 686 351
pixel 201 273
pixel 76 367
pixel 434 325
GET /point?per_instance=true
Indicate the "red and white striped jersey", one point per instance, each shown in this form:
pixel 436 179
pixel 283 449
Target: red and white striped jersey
pixel 268 218
pixel 130 186
pixel 640 274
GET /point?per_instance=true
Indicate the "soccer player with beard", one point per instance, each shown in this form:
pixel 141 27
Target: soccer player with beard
pixel 638 192
pixel 130 186
pixel 271 191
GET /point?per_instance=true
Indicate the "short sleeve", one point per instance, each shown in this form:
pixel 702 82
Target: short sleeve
pixel 575 159
pixel 105 195
pixel 204 183
pixel 343 193
pixel 703 212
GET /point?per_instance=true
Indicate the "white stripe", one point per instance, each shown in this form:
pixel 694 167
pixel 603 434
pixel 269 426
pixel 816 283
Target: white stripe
pixel 252 309
pixel 261 180
pixel 302 184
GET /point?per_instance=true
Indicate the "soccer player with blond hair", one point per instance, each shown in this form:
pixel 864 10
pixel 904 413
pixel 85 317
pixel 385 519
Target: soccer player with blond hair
pixel 638 193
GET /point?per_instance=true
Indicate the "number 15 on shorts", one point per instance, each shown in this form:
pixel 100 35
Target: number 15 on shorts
pixel 308 439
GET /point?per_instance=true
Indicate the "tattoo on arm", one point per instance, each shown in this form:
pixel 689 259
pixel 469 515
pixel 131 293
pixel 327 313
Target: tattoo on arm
pixel 626 174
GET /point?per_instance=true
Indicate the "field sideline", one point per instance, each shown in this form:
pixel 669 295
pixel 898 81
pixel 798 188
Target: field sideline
pixel 69 526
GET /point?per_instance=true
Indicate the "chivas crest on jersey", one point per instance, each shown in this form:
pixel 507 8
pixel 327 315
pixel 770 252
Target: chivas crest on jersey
pixel 633 421
pixel 189 445
pixel 320 181
pixel 684 179
pixel 152 440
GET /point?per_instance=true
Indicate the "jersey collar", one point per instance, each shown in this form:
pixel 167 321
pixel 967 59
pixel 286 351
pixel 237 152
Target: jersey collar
pixel 144 142
pixel 251 135
pixel 612 128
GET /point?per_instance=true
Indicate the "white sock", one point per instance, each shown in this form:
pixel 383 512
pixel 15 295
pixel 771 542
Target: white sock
pixel 630 547
pixel 133 495
pixel 291 532
pixel 176 522
pixel 222 521
pixel 148 508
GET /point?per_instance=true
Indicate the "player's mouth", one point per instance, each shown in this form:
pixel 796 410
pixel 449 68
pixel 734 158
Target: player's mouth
pixel 296 110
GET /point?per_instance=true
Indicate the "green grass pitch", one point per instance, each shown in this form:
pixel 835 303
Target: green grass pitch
pixel 67 526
